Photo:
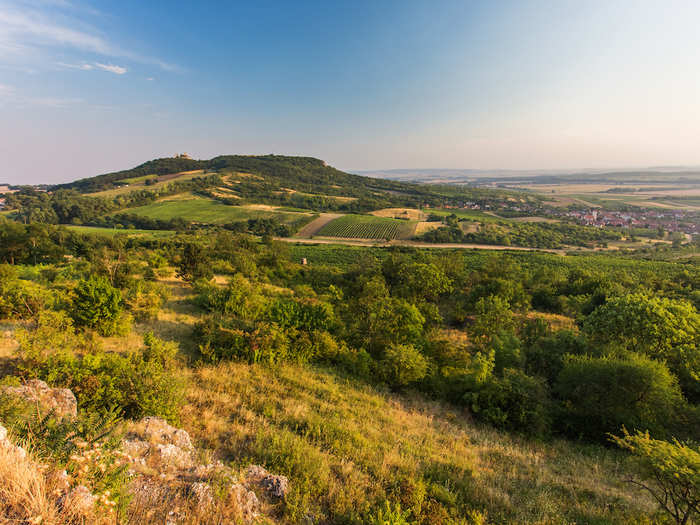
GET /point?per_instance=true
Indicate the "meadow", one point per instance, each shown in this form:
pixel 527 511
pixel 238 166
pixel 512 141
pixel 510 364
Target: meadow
pixel 204 210
pixel 121 231
pixel 139 183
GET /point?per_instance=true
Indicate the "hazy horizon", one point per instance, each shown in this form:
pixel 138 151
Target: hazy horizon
pixel 93 87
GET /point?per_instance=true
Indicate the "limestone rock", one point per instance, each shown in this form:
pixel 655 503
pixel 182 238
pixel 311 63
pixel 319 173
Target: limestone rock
pixel 61 400
pixel 80 500
pixel 275 486
pixel 246 501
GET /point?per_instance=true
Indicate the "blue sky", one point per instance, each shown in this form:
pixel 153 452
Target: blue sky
pixel 91 87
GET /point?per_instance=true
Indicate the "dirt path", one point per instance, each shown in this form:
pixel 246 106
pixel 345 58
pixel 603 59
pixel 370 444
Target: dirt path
pixel 310 229
pixel 413 244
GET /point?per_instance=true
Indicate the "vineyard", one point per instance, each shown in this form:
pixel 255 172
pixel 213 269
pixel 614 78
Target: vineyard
pixel 367 227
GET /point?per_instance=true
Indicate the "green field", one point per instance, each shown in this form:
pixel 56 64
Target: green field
pixel 198 209
pixel 367 227
pixel 121 231
pixel 134 180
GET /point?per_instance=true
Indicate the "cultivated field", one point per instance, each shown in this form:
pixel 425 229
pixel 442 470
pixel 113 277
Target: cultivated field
pixel 669 195
pixel 367 227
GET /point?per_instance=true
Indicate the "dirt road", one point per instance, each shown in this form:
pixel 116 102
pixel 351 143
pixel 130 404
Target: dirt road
pixel 413 244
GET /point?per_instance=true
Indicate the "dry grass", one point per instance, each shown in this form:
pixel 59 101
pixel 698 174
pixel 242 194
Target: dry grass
pixel 400 213
pixel 30 494
pixel 346 447
pixel 423 227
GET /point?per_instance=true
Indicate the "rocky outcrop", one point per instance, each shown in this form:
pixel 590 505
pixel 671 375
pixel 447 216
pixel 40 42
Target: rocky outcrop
pixel 165 468
pixel 274 486
pixel 60 400
pixel 168 481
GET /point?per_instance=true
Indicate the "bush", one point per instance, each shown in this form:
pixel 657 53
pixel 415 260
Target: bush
pixel 137 384
pixel 402 365
pixel 145 299
pixel 514 401
pixel 599 395
pixel 20 299
pixel 98 305
pixel 254 342
pixel 661 328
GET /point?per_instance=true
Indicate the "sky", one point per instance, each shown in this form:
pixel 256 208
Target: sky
pixel 93 87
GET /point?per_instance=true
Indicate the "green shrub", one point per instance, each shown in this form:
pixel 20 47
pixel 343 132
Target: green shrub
pixel 663 329
pixel 389 514
pixel 145 299
pixel 138 384
pixel 513 401
pixel 98 305
pixel 402 364
pixel 20 299
pixel 239 298
pixel 600 395
pixel 307 314
pixel 255 342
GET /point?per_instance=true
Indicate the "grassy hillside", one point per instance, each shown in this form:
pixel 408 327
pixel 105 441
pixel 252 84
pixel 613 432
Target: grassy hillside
pixel 293 181
pixel 347 446
pixel 205 210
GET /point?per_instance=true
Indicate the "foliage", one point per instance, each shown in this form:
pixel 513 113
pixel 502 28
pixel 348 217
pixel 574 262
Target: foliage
pixel 663 329
pixel 600 395
pixel 670 472
pixel 512 401
pixel 402 365
pixel 194 263
pixel 145 299
pixel 389 515
pixel 98 305
pixel 20 299
pixel 144 383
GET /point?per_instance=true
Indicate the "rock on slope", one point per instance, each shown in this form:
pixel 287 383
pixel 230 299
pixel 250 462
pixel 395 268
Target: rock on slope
pixel 167 482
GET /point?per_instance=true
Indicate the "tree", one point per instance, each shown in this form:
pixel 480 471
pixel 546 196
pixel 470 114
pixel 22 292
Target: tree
pixel 194 263
pixel 664 329
pixel 493 315
pixel 600 395
pixel 670 472
pixel 403 364
pixel 98 305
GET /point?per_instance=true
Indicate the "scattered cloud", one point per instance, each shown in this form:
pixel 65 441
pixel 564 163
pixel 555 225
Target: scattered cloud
pixel 32 30
pixel 150 79
pixel 112 68
pixel 117 70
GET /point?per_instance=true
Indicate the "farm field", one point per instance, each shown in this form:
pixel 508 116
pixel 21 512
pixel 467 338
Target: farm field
pixel 655 195
pixel 199 209
pixel 367 227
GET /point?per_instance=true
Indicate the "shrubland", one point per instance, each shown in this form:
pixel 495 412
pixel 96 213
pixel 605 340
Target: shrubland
pixel 390 385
